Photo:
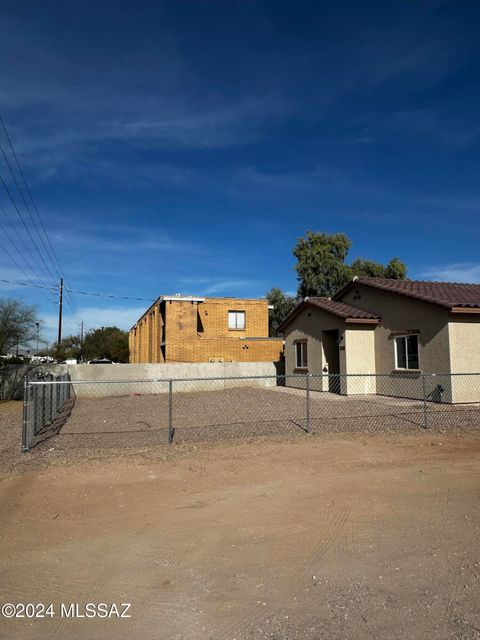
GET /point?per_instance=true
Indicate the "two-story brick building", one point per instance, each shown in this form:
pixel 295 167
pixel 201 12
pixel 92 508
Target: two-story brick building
pixel 193 329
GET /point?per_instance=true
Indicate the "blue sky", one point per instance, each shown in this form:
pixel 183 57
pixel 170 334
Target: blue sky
pixel 185 146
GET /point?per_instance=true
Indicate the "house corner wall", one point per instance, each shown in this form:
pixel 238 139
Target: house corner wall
pixel 464 338
pixel 359 345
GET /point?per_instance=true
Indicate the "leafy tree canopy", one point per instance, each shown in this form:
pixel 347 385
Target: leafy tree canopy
pixel 107 342
pixel 17 324
pixel 322 269
pixel 282 305
pixel 70 347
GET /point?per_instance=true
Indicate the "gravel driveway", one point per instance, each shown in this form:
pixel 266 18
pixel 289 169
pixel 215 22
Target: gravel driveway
pixel 248 412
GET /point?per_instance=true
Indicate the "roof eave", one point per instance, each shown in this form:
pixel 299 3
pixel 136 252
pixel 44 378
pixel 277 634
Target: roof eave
pixel 306 301
pixel 376 287
pixel 362 320
pixel 464 310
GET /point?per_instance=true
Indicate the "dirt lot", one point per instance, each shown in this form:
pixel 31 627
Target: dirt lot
pixel 290 536
pixel 127 422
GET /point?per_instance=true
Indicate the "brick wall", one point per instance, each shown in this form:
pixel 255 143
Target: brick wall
pixel 226 349
pixel 213 314
pixel 199 331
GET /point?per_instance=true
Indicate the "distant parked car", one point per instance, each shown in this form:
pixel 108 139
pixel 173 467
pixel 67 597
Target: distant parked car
pixel 100 361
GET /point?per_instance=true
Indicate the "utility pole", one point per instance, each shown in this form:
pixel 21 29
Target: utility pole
pixel 81 342
pixel 37 324
pixel 60 309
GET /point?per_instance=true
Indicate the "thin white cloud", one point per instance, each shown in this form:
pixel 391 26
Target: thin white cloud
pixel 71 145
pixel 456 272
pixel 204 285
pixel 225 286
pixel 93 318
pixel 14 276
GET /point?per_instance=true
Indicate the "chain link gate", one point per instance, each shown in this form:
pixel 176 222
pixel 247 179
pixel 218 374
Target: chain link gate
pixel 44 398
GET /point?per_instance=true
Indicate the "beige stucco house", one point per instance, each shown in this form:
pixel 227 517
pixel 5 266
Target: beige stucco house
pixel 395 329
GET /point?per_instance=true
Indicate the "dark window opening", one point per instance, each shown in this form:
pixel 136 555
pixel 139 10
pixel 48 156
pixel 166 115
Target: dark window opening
pixel 301 359
pixel 406 352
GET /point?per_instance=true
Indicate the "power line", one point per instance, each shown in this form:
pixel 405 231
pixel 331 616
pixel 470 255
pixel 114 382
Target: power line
pixel 24 284
pixel 83 293
pixel 73 305
pixel 108 295
pixel 26 228
pixel 25 204
pixel 31 197
pixel 50 251
pixel 21 252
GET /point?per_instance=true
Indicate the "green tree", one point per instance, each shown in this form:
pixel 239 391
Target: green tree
pixel 107 342
pixel 70 347
pixel 396 269
pixel 17 324
pixel 322 269
pixel 367 268
pixel 282 305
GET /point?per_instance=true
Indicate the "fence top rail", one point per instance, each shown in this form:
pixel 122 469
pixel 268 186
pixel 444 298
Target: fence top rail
pixel 143 380
pixel 400 375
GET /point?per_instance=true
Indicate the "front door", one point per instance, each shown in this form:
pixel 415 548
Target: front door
pixel 332 356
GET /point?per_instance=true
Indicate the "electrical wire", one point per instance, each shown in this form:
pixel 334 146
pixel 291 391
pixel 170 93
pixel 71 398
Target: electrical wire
pixel 83 293
pixel 26 227
pixel 49 249
pixel 31 197
pixel 21 252
pixel 24 284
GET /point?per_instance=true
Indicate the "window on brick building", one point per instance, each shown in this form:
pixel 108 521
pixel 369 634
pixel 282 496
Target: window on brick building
pixel 236 319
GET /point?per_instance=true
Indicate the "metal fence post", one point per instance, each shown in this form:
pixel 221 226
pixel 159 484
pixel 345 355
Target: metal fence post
pixel 54 398
pixel 44 403
pixel 170 411
pixel 25 434
pixel 50 391
pixel 425 415
pixel 33 400
pixel 307 387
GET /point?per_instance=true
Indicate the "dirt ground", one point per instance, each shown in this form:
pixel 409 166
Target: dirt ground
pixel 342 536
pixel 141 420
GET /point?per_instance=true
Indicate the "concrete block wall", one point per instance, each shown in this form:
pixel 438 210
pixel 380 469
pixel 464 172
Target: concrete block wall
pixel 127 376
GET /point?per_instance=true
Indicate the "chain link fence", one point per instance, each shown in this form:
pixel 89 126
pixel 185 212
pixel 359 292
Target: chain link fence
pixel 187 410
pixel 47 403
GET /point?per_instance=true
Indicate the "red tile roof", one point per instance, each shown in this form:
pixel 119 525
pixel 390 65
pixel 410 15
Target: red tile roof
pixel 445 294
pixel 339 309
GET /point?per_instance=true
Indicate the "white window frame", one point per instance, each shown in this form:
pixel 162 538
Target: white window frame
pixel 303 351
pixel 236 314
pixel 404 336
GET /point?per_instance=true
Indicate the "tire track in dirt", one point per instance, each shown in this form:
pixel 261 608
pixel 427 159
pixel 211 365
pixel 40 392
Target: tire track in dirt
pixel 335 527
pixel 108 580
pixel 341 548
pixel 456 592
